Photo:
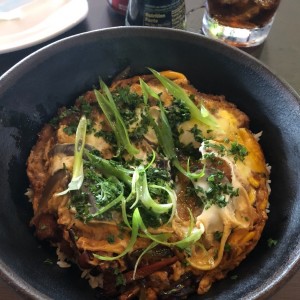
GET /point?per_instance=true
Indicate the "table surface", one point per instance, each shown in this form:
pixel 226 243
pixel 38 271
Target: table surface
pixel 281 53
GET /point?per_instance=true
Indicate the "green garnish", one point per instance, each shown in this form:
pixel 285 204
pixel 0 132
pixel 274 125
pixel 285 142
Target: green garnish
pixel 108 106
pixel 141 192
pixel 227 247
pixel 151 246
pixel 134 234
pixel 136 180
pixel 271 242
pixel 218 235
pixel 110 168
pixel 111 239
pixel 147 91
pixel 77 177
pixel 238 151
pixel 48 261
pixel 218 191
pixel 165 138
pixel 201 115
pixel 164 133
pixel 193 234
pixel 177 113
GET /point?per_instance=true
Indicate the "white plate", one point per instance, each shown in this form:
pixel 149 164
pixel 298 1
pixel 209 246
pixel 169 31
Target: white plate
pixel 35 21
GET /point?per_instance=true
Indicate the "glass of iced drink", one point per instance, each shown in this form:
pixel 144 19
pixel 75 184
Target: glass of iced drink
pixel 242 23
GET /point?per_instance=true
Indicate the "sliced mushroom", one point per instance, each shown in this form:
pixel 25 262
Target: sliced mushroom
pixel 59 179
pixel 67 149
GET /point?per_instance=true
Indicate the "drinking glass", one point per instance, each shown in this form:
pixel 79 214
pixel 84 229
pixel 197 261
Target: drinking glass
pixel 241 23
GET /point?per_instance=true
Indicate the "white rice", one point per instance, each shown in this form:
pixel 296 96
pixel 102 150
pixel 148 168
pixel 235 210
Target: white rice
pixel 61 259
pixel 29 194
pixel 94 281
pixel 258 135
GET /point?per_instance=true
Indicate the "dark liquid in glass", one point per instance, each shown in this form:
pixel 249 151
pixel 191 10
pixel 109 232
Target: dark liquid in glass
pixel 242 13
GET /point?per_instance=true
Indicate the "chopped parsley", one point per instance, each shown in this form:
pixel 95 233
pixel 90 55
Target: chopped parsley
pixel 80 201
pixel 197 134
pixel 127 102
pixel 85 107
pixel 108 136
pixel 238 151
pixel 217 190
pixel 227 248
pixel 110 239
pixel 120 280
pixel 271 242
pixel 48 261
pixel 218 235
pixel 124 97
pixel 177 113
pixel 141 129
pixel 71 128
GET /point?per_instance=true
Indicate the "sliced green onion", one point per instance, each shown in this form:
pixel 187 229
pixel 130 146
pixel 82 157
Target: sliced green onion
pixel 113 203
pixel 134 184
pixel 107 168
pixel 147 91
pixel 164 134
pixel 187 173
pixel 141 192
pixel 172 197
pixel 151 246
pixel 134 235
pixel 145 197
pixel 136 179
pixel 165 138
pixel 77 176
pixel 201 115
pixel 115 119
pixel 163 130
pixel 194 234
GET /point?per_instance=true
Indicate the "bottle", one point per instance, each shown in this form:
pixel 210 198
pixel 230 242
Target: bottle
pixel 118 6
pixel 157 13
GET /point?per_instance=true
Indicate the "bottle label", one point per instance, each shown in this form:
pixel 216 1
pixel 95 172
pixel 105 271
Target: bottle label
pixel 168 15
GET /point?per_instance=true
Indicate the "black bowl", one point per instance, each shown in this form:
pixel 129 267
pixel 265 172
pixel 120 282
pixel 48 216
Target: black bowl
pixel 33 90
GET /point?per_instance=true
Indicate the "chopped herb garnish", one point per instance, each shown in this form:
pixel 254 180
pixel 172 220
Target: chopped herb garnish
pixel 48 261
pixel 111 239
pixel 108 136
pixel 271 242
pixel 70 129
pixel 197 134
pixel 177 113
pixel 77 176
pixel 201 115
pixel 227 247
pixel 112 113
pixel 218 235
pixel 238 151
pixel 218 191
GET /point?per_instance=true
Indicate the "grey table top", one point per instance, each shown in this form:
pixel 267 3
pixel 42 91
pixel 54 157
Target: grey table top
pixel 281 53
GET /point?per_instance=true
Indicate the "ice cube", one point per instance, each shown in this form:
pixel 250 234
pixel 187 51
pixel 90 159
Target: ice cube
pixel 267 4
pixel 229 1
